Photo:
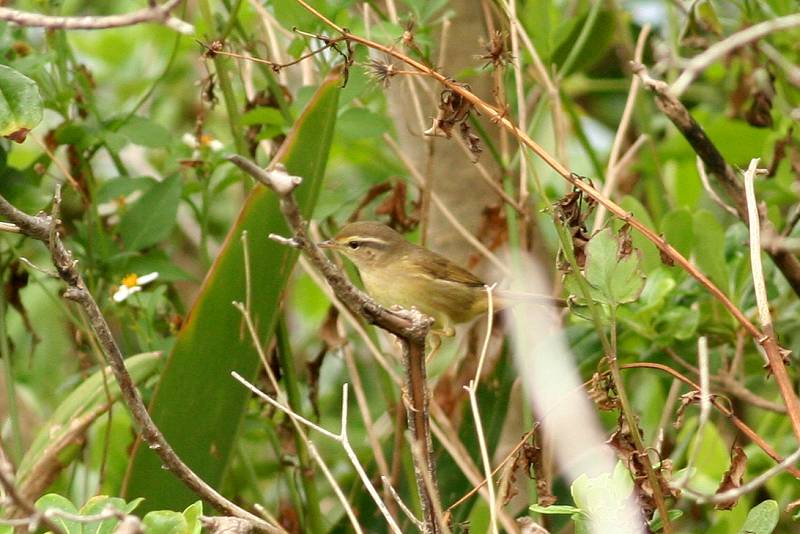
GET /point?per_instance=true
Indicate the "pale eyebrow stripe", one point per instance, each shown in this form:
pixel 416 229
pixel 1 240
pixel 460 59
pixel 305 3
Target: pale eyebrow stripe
pixel 373 240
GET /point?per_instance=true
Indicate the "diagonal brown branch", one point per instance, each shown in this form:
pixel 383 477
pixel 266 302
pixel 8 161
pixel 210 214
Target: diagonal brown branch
pixel 727 412
pixel 670 106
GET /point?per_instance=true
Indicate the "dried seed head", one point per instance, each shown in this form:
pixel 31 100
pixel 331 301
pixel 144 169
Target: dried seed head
pixel 497 53
pixel 380 71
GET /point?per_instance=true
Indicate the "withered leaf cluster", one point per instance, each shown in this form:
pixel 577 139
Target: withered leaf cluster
pixel 622 442
pixel 603 392
pixel 454 111
pixel 394 205
pixel 572 210
pixel 733 477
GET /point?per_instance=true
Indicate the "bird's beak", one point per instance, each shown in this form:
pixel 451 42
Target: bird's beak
pixel 328 243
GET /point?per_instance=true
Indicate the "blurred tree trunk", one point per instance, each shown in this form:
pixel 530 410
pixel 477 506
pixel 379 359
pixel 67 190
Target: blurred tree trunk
pixel 448 169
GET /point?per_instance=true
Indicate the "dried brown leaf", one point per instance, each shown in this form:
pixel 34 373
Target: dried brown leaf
pixel 625 241
pixel 395 207
pixel 692 397
pixel 453 110
pixel 733 477
pixel 533 461
pixel 573 210
pixel 329 331
pixel 603 393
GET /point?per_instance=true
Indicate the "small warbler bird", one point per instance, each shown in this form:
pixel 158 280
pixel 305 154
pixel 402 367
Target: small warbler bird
pixel 398 273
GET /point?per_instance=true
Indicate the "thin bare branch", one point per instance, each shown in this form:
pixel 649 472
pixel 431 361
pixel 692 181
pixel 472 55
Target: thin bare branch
pixel 340 438
pixel 721 407
pixel 152 13
pixel 44 228
pixel 612 171
pixel 701 170
pixel 410 326
pixel 7 483
pixel 717 51
pixel 769 342
pixel 744 489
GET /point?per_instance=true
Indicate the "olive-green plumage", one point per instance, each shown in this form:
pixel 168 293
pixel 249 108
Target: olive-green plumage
pixel 396 272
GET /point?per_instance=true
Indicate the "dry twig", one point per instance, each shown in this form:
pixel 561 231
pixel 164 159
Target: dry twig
pixel 43 228
pixel 152 13
pixel 719 50
pixel 411 327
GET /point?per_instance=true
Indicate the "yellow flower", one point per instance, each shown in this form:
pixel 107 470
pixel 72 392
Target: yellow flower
pixel 132 283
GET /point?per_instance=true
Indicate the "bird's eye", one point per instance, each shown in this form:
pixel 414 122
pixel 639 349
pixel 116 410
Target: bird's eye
pixel 354 244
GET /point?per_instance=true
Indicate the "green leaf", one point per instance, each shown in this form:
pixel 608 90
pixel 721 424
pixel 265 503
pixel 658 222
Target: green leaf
pixel 361 123
pixel 595 46
pixel 656 524
pixel 97 504
pixel 709 248
pixel 602 498
pixel 192 515
pixel 152 217
pixel 145 132
pixel 678 229
pixel 263 115
pixel 762 518
pixel 122 186
pixel 165 522
pixel 20 104
pixel 614 280
pixel 55 501
pixel 197 383
pixel 53 440
pixel 556 509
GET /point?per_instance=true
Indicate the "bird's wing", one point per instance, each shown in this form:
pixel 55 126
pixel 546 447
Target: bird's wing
pixel 440 268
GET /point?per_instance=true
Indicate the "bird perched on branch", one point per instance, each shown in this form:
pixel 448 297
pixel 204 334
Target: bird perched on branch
pixel 396 272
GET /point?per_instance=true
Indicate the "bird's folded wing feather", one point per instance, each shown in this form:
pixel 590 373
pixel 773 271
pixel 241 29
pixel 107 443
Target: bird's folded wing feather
pixel 443 269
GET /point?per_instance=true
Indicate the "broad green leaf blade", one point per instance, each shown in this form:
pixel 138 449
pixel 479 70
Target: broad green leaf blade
pixel 145 132
pixel 153 216
pixel 709 248
pixel 20 104
pixel 678 230
pixel 97 505
pixel 55 443
pixel 762 518
pixel 55 501
pixel 165 522
pixel 197 405
pixel 615 280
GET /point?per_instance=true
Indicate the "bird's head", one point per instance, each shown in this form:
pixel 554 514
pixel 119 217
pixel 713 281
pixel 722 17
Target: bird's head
pixel 367 244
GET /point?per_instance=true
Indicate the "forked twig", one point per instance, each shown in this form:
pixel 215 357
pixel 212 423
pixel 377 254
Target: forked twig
pixel 340 438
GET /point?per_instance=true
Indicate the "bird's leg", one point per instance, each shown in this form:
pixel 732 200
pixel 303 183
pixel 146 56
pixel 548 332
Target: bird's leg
pixel 435 339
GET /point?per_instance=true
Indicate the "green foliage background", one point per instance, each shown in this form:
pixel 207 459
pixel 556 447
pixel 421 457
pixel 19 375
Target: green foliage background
pixel 137 122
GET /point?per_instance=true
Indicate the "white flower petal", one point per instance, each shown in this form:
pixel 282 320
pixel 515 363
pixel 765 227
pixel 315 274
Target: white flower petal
pixel 146 278
pixel 190 140
pixel 216 145
pixel 121 293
